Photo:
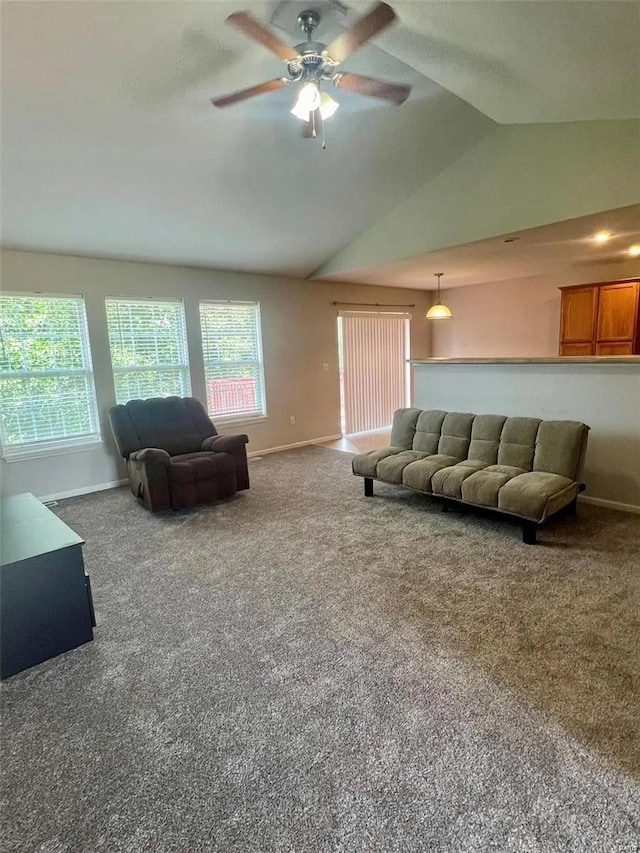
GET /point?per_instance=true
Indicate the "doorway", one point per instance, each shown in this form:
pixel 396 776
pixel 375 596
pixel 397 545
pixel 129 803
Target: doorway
pixel 373 348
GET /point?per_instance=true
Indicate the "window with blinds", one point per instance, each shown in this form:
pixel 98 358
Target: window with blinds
pixel 148 342
pixel 232 349
pixel 47 392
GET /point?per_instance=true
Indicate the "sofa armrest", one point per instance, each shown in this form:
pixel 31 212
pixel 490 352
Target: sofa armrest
pixel 225 443
pixel 150 454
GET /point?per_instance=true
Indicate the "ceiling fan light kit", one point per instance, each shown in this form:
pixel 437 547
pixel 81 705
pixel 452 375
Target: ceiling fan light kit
pixel 312 65
pixel 438 311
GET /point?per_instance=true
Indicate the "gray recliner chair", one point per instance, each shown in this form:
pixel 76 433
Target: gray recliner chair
pixel 174 455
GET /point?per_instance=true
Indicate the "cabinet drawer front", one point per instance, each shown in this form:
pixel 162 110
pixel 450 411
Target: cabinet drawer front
pixel 620 348
pixel 578 320
pixel 576 349
pixel 617 312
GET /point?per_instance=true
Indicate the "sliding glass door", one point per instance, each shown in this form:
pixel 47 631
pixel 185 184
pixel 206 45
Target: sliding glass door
pixel 374 348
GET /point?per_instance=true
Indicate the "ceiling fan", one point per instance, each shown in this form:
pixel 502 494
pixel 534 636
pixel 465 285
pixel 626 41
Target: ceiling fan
pixel 312 65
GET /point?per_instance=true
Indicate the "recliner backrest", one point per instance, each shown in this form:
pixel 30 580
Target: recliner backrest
pixel 175 424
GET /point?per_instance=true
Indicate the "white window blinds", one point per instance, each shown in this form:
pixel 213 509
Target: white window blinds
pixel 47 392
pixel 232 348
pixel 374 348
pixel 148 342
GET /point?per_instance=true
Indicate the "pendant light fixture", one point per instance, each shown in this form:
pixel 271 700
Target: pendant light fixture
pixel 438 311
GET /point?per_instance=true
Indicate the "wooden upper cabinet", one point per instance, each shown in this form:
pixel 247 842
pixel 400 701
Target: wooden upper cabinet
pixel 578 317
pixel 614 348
pixel 618 312
pixel 600 319
pixel 585 348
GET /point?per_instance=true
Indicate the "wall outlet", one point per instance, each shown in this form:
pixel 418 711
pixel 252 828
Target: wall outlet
pixel 325 366
pixel 292 419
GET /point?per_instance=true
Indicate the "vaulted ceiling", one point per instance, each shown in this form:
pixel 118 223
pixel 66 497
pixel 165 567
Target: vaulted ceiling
pixel 111 148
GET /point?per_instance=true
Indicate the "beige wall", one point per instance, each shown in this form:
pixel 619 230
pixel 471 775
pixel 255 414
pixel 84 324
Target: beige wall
pixel 299 335
pixel 513 318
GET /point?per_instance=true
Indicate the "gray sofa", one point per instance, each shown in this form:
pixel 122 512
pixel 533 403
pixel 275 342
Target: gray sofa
pixel 524 467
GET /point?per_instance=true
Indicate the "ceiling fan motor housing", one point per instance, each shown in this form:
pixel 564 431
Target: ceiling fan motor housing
pixel 312 63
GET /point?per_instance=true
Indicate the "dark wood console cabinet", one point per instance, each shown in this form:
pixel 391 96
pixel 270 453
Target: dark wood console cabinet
pixel 600 319
pixel 45 596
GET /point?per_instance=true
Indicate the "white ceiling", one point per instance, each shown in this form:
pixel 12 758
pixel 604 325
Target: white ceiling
pixel 111 148
pixel 536 251
pixel 521 61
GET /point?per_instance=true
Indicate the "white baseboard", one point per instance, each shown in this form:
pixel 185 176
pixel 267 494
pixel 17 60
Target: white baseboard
pixel 86 490
pixel 609 504
pixel 320 440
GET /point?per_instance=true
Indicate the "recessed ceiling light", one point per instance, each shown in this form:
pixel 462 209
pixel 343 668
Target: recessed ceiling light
pixel 602 237
pixel 634 251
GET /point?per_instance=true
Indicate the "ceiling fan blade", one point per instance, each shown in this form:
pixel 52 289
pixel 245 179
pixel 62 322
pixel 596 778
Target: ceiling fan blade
pixel 364 29
pixel 373 88
pixel 251 92
pixel 248 26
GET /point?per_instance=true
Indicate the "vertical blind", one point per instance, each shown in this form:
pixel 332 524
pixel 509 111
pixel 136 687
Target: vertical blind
pixel 148 342
pixel 375 377
pixel 232 349
pixel 47 392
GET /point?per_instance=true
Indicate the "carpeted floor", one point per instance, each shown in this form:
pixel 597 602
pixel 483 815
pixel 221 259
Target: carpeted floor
pixel 304 669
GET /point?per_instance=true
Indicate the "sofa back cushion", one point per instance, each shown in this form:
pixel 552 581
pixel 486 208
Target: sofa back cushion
pixel 404 427
pixel 485 438
pixel 428 430
pixel 455 434
pixel 560 447
pixel 518 442
pixel 175 424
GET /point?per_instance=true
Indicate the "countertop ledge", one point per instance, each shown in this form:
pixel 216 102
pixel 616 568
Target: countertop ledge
pixel 567 359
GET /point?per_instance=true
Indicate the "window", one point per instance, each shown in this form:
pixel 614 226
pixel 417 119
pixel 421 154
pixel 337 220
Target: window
pixel 232 349
pixel 47 393
pixel 148 344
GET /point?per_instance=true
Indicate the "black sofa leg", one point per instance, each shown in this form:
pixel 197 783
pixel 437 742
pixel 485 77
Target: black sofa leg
pixel 572 508
pixel 529 529
pixel 368 487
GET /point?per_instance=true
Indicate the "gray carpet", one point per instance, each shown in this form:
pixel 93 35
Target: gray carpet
pixel 304 669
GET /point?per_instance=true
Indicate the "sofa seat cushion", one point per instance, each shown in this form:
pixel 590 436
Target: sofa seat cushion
pixel 189 467
pixel 365 464
pixel 482 487
pixel 390 469
pixel 448 481
pixel 536 494
pixel 418 474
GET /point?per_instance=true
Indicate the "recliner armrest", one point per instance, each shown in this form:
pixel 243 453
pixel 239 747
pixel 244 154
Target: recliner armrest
pixel 150 454
pixel 224 443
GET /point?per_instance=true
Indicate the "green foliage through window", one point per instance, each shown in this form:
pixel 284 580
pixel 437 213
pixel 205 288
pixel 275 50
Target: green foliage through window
pixel 47 391
pixel 148 344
